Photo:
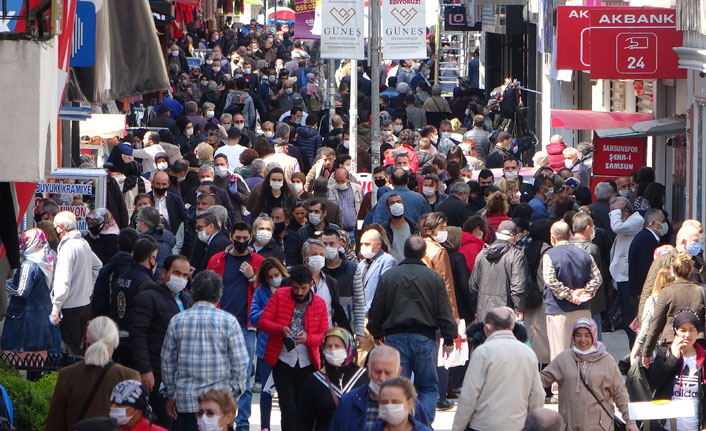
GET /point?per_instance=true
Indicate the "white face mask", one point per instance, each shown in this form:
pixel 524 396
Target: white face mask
pixel 512 175
pixel 269 135
pixel 221 171
pixel 314 219
pixel 367 252
pixel 216 69
pixel 206 180
pixel 316 263
pixel 275 282
pixel 625 193
pixel 397 209
pixel 398 128
pixel 162 166
pixel 335 357
pixel 209 62
pixel 445 134
pixel 441 236
pixel 393 414
pixel 340 186
pixel 298 187
pixel 210 114
pixel 331 253
pixel 176 284
pixel 120 415
pixel 203 236
pixel 175 53
pixel 568 163
pixel 263 236
pixel 240 126
pixel 276 185
pixel 288 91
pixel 209 424
pixel 428 191
pixel 346 144
pixel 374 388
pixel 189 131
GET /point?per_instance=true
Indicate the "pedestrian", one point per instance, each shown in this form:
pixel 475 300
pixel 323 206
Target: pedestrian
pixel 273 192
pixel 262 241
pixel 397 396
pixel 75 275
pixel 342 269
pixel 129 407
pixel 502 382
pixel 665 277
pixel 211 241
pixel 118 264
pixel 102 233
pixel 202 331
pixel 589 382
pixel 543 420
pixel 456 208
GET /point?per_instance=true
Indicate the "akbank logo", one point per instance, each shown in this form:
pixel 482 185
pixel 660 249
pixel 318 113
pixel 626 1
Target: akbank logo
pixel 404 16
pixel 342 15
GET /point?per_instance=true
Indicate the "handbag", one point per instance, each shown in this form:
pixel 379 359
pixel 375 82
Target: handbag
pixel 618 424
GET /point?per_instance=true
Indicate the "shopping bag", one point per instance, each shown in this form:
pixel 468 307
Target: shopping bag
pixel 459 355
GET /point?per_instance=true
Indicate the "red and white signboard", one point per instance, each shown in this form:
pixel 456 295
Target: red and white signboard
pixel 617 157
pixel 573 38
pixel 634 43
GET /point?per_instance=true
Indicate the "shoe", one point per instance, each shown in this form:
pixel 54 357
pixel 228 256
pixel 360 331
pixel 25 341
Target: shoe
pixel 445 405
pixel 257 388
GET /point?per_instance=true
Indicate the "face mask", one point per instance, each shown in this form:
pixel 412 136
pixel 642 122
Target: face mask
pixel 298 187
pixel 210 114
pixel 664 227
pixel 314 219
pixel 467 112
pixel 367 252
pixel 160 191
pixel 238 75
pixel 298 121
pixel 380 182
pixel 216 69
pixel 441 236
pixel 204 83
pixel 184 82
pixel 189 131
pixel 386 133
pixel 272 78
pixel 209 424
pixel 269 135
pixel 342 186
pixel 120 415
pixel 393 414
pixel 445 134
pixel 240 126
pixel 263 236
pixel 397 209
pixel 209 62
pixel 346 144
pixel 428 191
pixel 625 193
pixel 203 236
pixel 695 248
pixel 275 282
pixel 176 284
pixel 240 246
pixel 434 139
pixel 288 91
pixel 406 168
pixel 335 357
pixel 247 71
pixel 276 185
pixel 331 253
pixel 316 263
pixel 568 164
pixel 206 180
pixel 175 53
pixel 548 193
pixel 398 128
pixel 512 175
pixel 162 166
pixel 96 229
pixel 374 388
pixel 279 227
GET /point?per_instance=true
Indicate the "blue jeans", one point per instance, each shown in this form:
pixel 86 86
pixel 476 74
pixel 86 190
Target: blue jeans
pixel 242 419
pixel 418 356
pixel 264 372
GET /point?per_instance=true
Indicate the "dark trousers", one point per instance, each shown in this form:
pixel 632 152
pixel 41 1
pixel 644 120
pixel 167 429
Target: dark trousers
pixel 289 383
pixel 159 406
pixel 73 327
pixel 628 308
pixel 186 422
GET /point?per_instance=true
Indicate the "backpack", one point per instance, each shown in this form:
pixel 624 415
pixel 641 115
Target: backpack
pixel 315 104
pixel 6 413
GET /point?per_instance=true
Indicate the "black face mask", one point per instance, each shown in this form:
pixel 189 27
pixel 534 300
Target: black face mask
pixel 482 191
pixel 240 246
pixel 380 182
pixel 279 228
pixel 160 191
pixel 38 217
pixel 96 229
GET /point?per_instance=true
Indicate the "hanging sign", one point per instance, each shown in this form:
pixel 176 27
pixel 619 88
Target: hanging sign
pixel 618 157
pixel 404 29
pixel 342 30
pixel 573 33
pixel 305 11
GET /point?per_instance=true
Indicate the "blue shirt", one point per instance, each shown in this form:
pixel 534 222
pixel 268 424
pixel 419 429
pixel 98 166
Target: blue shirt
pixel 539 208
pixel 414 205
pixel 235 288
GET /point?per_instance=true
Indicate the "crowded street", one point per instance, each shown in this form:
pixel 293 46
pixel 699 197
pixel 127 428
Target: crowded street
pixel 344 215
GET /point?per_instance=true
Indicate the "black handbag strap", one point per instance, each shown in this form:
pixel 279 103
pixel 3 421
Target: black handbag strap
pixel 92 394
pixel 583 380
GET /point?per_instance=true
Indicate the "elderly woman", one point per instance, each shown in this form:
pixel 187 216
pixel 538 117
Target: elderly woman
pixel 83 390
pixel 217 410
pixel 589 382
pixel 102 233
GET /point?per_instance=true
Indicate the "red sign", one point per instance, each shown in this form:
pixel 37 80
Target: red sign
pixel 635 43
pixel 618 157
pixel 573 34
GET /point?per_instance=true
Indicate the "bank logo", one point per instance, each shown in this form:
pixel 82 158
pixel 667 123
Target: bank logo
pixel 404 16
pixel 342 15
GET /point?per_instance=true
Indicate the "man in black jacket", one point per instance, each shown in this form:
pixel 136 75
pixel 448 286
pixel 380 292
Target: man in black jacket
pixel 211 241
pixel 455 207
pixel 169 205
pixel 149 318
pixel 164 120
pixel 340 268
pixel 288 240
pixel 409 305
pixel 118 265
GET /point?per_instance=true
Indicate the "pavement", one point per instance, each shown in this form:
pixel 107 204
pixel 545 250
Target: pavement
pixel 616 343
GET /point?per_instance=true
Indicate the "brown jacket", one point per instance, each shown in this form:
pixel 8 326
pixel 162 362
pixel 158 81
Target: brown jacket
pixel 437 259
pixel 681 293
pixel 72 389
pixel 577 406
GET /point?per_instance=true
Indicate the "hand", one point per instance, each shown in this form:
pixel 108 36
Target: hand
pixel 300 338
pixel 127 159
pixel 359 340
pixel 286 332
pixel 635 352
pixel 574 298
pixel 519 316
pixel 677 344
pixel 631 427
pixel 246 270
pixel 380 341
pixel 171 408
pixel 148 380
pixel 55 319
pixel 448 350
pixel 646 362
pixel 513 199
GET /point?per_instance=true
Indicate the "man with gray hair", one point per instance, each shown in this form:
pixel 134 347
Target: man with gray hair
pixel 436 103
pixel 263 243
pixel 75 275
pixel 543 420
pixel 257 173
pixel 601 207
pixel 314 257
pixel 502 383
pixel 359 409
pixel 202 331
pixel 455 207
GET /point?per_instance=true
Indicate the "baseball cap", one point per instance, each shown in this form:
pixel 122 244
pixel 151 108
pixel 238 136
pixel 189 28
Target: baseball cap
pixel 506 229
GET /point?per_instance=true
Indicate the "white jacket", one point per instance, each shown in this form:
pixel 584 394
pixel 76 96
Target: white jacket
pixel 501 386
pixel 624 231
pixel 75 274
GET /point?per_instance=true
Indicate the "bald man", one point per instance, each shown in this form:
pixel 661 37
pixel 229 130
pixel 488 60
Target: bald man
pixel 502 383
pixel 572 277
pixel 169 205
pixel 543 420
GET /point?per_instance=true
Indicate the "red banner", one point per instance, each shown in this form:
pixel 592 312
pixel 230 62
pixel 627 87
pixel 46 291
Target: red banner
pixel 573 38
pixel 618 157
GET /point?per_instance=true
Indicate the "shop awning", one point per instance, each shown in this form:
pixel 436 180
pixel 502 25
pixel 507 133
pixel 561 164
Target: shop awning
pixel 594 120
pixel 502 2
pixel 663 126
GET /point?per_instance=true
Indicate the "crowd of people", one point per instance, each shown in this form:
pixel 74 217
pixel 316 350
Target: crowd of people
pixel 238 252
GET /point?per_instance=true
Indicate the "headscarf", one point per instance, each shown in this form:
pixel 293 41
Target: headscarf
pixel 684 315
pixel 132 173
pixel 34 247
pixel 130 393
pixel 311 88
pixel 103 216
pixel 589 324
pixel 348 341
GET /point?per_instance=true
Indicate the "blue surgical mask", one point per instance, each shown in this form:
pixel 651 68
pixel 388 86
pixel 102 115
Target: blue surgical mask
pixel 695 248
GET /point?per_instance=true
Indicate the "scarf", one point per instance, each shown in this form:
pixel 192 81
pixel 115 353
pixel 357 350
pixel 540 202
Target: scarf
pixel 35 247
pixel 102 215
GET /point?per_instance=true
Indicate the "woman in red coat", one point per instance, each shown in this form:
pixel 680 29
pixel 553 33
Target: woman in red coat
pixel 474 230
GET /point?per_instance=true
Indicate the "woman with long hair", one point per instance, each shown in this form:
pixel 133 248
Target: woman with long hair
pixel 496 208
pixel 665 277
pixel 273 192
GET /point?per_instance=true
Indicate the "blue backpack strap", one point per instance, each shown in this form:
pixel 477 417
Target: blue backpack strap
pixel 7 405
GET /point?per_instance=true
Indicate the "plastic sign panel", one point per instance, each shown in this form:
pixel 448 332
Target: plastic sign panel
pixel 305 11
pixel 573 38
pixel 618 157
pixel 83 46
pixel 342 30
pixel 403 29
pixel 634 43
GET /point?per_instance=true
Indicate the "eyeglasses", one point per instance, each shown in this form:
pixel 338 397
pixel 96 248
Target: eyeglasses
pixel 207 412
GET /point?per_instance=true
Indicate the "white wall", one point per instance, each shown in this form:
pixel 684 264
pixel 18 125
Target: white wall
pixel 29 110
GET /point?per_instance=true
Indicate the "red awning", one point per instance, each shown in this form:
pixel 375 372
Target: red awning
pixel 594 120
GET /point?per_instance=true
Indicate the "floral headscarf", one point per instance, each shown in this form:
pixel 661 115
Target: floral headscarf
pixel 34 247
pixel 348 341
pixel 589 324
pixel 104 217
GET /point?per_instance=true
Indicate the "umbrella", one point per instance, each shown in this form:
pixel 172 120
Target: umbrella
pixel 284 15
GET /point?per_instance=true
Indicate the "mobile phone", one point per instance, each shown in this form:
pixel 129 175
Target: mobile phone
pixel 289 344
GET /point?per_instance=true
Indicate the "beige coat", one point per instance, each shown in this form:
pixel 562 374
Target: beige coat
pixel 501 386
pixel 357 195
pixel 437 258
pixel 577 406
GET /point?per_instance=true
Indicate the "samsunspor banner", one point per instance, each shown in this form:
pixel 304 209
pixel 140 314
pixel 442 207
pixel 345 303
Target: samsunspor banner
pixel 403 29
pixel 342 27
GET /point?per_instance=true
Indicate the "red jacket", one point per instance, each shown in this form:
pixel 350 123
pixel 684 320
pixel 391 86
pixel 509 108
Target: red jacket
pixel 217 264
pixel 144 425
pixel 413 157
pixel 556 155
pixel 278 313
pixel 470 247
